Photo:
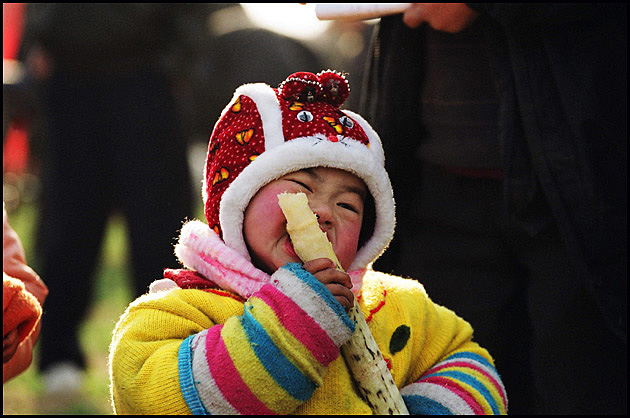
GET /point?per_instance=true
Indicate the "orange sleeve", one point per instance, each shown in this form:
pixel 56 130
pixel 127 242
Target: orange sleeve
pixel 14 265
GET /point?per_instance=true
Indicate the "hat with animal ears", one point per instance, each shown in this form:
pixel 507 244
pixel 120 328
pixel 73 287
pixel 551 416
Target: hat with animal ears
pixel 265 133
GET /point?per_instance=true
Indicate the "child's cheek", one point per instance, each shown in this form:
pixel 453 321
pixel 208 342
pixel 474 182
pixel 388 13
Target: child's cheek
pixel 269 210
pixel 346 248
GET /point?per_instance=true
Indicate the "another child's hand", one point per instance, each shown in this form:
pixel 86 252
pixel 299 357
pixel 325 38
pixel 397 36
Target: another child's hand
pixel 335 280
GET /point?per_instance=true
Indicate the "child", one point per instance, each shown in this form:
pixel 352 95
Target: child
pixel 246 328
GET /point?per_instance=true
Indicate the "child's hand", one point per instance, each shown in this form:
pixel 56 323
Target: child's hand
pixel 336 281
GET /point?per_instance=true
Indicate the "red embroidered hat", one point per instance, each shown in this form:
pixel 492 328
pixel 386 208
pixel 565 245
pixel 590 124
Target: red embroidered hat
pixel 265 133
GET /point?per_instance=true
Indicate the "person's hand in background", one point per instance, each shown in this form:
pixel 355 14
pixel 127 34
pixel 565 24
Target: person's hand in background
pixel 445 17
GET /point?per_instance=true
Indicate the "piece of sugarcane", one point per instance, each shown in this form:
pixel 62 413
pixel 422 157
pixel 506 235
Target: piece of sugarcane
pixel 361 353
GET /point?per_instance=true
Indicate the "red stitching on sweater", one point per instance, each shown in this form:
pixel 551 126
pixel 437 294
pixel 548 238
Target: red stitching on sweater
pixel 225 293
pixel 378 308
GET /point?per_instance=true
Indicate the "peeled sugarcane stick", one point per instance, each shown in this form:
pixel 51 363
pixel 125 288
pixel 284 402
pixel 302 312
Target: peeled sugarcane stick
pixel 361 353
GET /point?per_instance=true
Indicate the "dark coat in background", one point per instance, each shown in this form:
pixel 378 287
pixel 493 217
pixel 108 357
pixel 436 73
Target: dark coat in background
pixel 561 75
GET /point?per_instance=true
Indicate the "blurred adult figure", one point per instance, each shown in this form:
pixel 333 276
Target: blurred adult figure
pixel 505 130
pixel 239 51
pixel 111 74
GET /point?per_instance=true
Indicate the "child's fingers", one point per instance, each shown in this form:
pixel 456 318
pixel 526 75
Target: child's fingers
pixel 319 264
pixel 347 304
pixel 336 281
pixel 332 275
pixel 342 294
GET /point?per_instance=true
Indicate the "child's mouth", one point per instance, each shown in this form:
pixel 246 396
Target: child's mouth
pixel 288 245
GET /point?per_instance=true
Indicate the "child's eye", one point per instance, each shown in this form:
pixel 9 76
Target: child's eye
pixel 348 206
pixel 301 184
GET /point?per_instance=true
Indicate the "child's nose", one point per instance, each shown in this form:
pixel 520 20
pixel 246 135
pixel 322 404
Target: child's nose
pixel 323 213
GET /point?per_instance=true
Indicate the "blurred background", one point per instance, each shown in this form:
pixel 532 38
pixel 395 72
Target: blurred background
pixel 225 46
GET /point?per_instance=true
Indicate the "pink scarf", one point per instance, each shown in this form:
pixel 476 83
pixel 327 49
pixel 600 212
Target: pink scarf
pixel 200 249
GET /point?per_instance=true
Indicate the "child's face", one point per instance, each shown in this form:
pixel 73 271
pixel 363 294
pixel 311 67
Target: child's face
pixel 335 196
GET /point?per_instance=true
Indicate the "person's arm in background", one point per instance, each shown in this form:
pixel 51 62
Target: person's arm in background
pixel 454 17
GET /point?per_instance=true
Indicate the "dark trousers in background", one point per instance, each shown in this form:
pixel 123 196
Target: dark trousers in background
pixel 520 293
pixel 114 145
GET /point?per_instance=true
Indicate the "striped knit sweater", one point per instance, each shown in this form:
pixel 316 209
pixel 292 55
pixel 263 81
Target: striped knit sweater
pixel 209 351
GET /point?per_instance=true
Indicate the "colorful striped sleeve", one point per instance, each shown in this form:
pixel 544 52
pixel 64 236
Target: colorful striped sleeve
pixel 464 383
pixel 270 359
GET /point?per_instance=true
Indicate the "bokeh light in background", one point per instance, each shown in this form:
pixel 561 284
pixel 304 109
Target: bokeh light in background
pixel 291 19
pixel 342 43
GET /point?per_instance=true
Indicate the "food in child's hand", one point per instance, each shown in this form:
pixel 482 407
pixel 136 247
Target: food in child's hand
pixel 361 352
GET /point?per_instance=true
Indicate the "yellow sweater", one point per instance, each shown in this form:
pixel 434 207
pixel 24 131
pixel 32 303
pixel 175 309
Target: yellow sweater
pixel 207 351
